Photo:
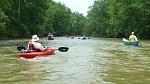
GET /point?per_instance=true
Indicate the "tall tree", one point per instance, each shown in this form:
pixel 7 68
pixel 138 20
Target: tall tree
pixel 61 19
pixel 117 18
pixel 77 22
pixel 3 20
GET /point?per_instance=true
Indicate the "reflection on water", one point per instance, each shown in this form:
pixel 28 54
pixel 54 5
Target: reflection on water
pixel 92 61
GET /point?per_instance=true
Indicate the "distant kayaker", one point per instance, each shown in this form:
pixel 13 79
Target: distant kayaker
pixel 33 45
pixel 132 37
pixel 50 36
pixel 84 37
pixel 72 37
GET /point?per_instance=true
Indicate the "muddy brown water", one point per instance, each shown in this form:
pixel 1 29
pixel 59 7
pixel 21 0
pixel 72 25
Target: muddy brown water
pixel 91 61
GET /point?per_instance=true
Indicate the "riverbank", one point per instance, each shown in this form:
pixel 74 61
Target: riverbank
pixel 13 42
pixel 19 42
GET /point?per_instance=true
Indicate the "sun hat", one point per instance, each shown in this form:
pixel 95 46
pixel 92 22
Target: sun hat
pixel 35 38
pixel 132 33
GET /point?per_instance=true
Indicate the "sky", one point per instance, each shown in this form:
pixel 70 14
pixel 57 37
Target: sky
pixel 80 6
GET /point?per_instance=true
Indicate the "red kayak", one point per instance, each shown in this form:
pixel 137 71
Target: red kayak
pixel 49 51
pixel 50 38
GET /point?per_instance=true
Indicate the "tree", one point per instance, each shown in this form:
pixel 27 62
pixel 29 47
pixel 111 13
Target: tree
pixel 3 20
pixel 117 18
pixel 77 22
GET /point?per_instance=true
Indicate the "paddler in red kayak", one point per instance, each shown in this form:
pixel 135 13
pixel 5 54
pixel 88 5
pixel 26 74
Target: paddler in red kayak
pixel 34 45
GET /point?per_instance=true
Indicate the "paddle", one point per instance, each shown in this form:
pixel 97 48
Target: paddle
pixel 61 49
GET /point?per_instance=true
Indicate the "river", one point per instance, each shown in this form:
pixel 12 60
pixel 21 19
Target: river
pixel 91 61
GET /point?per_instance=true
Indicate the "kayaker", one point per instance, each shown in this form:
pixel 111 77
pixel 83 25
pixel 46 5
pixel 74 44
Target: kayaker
pixel 50 36
pixel 84 37
pixel 34 45
pixel 132 37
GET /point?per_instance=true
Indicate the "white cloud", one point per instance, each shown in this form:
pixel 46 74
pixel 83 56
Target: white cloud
pixel 77 5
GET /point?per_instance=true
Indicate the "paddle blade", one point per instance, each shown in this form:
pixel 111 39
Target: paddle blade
pixel 63 49
pixel 19 48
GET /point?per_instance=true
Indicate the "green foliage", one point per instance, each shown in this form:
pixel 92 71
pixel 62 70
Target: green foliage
pixel 61 19
pixel 117 18
pixel 76 24
pixel 28 17
pixel 106 18
pixel 3 20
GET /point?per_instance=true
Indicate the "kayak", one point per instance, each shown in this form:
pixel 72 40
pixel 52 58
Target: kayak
pixel 49 51
pixel 84 38
pixel 127 42
pixel 50 38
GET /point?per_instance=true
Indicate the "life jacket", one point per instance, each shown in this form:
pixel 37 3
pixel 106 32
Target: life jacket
pixel 32 47
pixel 132 38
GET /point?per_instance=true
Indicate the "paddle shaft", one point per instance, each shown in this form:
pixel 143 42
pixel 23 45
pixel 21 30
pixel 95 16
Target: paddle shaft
pixel 61 49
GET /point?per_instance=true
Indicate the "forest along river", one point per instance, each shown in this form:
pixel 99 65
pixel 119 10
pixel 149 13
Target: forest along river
pixel 91 61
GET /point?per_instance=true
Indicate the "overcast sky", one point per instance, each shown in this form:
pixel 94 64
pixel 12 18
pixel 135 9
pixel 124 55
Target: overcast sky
pixel 77 5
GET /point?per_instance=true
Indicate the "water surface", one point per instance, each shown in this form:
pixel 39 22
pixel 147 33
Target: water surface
pixel 92 61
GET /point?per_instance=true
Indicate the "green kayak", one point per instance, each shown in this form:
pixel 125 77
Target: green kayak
pixel 127 42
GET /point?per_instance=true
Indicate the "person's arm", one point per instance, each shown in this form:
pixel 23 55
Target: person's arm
pixel 129 37
pixel 28 45
pixel 136 38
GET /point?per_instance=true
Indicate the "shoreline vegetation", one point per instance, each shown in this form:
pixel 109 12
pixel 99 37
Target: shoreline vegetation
pixel 20 41
pixel 13 42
